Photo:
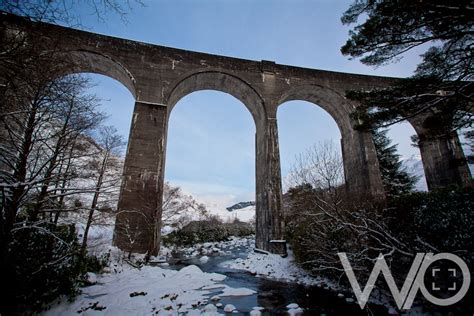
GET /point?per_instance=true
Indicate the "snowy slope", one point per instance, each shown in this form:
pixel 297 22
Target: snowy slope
pixel 218 207
pixel 246 214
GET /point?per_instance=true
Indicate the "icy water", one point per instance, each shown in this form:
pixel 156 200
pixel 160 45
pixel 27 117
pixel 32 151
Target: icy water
pixel 274 296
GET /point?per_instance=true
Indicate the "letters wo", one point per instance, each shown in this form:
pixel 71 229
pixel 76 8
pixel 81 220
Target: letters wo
pixel 415 280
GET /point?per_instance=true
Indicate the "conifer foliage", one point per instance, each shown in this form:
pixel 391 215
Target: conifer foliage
pixel 395 178
pixel 442 82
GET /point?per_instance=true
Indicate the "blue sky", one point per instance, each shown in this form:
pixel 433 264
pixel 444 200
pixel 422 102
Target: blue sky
pixel 211 134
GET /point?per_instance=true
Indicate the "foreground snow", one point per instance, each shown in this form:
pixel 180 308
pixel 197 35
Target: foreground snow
pixel 149 290
pixel 124 290
pixel 270 266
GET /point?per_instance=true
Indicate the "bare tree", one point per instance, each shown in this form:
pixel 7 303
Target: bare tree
pixel 63 11
pixel 41 124
pixel 35 141
pixel 44 119
pixel 70 121
pixel 177 210
pixel 321 220
pixel 177 206
pixel 469 138
pixel 110 143
pixel 321 168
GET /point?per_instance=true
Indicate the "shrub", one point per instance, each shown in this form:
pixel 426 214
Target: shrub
pixel 207 231
pixel 443 218
pixel 437 221
pixel 239 229
pixel 44 263
pixel 95 264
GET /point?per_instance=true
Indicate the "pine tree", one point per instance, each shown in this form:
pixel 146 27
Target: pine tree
pixel 386 29
pixel 395 178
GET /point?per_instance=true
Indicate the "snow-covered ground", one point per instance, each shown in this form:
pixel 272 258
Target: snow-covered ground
pixel 269 266
pixel 246 214
pixel 126 290
pixel 274 267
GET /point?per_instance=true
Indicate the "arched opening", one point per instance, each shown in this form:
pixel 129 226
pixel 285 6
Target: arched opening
pixel 77 181
pixel 312 170
pixel 360 175
pixel 361 171
pixel 219 81
pixel 210 153
pixel 404 137
pixel 308 137
pixel 116 103
pixel 91 62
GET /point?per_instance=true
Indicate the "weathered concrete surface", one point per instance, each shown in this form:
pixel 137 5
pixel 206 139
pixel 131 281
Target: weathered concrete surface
pixel 361 166
pixel 443 159
pixel 158 77
pixel 142 182
pixel 269 219
pixel 444 162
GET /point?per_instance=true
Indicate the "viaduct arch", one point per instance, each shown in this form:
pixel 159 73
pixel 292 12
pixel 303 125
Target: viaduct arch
pixel 158 77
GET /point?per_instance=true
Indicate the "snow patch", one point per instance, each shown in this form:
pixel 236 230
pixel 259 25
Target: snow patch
pixel 229 291
pixel 229 308
pixel 145 291
pixel 273 266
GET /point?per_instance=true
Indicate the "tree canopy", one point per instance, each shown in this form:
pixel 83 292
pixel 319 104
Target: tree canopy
pixel 443 80
pixel 394 176
pixel 67 11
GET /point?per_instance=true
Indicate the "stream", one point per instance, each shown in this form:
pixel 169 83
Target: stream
pixel 273 295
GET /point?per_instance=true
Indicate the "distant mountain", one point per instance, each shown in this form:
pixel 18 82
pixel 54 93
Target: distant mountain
pixel 240 205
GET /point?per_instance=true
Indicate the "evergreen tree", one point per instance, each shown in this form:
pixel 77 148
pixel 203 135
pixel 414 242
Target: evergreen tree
pixel 442 81
pixel 394 176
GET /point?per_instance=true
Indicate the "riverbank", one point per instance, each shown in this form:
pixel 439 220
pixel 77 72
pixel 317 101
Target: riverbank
pixel 208 279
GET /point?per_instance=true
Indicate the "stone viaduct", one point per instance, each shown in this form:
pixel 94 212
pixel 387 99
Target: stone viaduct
pixel 158 77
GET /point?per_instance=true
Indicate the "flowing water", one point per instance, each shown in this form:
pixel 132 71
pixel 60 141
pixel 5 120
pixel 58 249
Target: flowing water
pixel 274 296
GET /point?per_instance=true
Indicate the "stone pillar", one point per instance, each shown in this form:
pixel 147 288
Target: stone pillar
pixel 138 222
pixel 443 161
pixel 269 216
pixel 361 167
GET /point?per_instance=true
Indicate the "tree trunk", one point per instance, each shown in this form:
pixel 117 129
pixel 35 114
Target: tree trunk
pixel 94 204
